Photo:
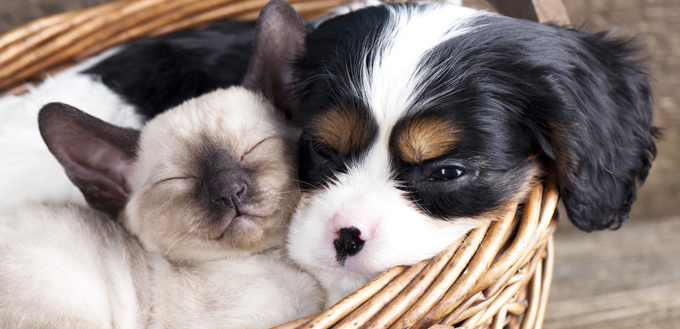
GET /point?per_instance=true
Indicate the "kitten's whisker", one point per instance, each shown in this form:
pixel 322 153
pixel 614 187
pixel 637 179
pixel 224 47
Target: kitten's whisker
pixel 183 236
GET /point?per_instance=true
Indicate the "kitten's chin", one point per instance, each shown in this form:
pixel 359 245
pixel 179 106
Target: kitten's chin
pixel 233 228
pixel 215 250
pixel 249 223
pixel 243 237
pixel 248 234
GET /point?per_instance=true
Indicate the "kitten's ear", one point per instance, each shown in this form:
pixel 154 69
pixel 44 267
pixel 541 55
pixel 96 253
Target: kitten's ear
pixel 279 40
pixel 96 155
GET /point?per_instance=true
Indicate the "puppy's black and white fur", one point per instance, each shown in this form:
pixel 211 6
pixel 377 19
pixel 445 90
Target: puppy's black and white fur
pixel 424 121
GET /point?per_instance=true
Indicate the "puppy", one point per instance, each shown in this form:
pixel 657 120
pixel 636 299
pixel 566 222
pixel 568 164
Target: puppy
pixel 126 87
pixel 202 197
pixel 421 122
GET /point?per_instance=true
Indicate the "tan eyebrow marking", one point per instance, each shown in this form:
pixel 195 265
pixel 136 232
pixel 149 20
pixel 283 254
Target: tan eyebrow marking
pixel 344 129
pixel 426 138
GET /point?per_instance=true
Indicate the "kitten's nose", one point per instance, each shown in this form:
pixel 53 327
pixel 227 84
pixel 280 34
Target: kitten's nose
pixel 348 243
pixel 231 194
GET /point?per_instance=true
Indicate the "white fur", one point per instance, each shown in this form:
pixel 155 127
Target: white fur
pixel 28 171
pixel 52 256
pixel 354 6
pixel 367 197
pixel 389 86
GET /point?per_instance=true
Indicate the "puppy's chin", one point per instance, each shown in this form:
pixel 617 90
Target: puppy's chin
pixel 338 283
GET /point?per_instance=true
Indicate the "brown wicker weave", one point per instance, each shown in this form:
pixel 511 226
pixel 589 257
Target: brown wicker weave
pixel 498 277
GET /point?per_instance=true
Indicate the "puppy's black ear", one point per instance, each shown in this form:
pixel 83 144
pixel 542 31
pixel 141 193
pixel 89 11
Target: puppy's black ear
pixel 602 137
pixel 279 40
pixel 96 155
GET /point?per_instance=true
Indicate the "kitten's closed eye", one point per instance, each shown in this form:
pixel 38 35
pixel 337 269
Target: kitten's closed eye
pixel 167 178
pixel 256 145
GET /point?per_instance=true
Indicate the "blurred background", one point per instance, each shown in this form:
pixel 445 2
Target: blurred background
pixel 629 278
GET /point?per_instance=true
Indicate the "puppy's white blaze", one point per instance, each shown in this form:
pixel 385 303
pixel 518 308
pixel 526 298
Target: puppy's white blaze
pixel 390 84
pixel 354 6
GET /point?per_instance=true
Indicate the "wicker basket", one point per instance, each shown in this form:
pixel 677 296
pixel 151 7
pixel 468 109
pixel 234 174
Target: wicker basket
pixel 498 277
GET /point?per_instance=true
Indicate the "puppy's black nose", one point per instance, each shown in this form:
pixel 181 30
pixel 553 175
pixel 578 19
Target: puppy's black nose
pixel 230 194
pixel 349 243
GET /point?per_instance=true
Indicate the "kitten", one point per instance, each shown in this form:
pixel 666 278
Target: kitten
pixel 202 197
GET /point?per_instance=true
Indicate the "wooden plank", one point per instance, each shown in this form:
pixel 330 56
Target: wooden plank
pixel 599 311
pixel 622 279
pixel 544 11
pixel 551 11
pixel 523 9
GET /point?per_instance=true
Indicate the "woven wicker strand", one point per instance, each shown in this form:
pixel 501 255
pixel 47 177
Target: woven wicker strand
pixel 16 43
pixel 463 288
pixel 498 276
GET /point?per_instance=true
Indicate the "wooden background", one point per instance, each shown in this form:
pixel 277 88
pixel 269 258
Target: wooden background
pixel 628 278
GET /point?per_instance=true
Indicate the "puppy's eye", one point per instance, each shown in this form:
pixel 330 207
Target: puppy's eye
pixel 446 173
